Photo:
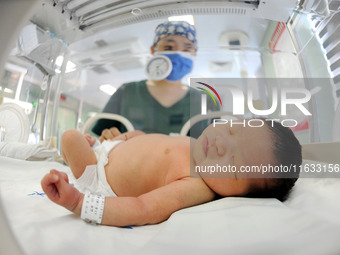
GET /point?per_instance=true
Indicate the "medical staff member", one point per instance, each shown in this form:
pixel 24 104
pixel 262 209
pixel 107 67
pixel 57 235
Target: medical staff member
pixel 161 106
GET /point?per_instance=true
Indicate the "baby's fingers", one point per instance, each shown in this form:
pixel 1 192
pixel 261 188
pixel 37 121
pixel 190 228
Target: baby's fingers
pixel 50 178
pixel 106 135
pixel 115 131
pixel 48 184
pixel 60 175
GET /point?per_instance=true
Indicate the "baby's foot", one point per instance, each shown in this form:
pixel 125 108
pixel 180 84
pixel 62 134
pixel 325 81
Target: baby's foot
pixel 91 140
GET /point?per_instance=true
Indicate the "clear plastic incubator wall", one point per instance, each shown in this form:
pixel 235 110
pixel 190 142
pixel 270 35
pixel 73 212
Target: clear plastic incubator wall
pixel 68 51
pixel 61 60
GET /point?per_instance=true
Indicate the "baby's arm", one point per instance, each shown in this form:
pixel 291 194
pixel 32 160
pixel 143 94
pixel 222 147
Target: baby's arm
pixel 150 208
pixel 128 135
pixel 114 134
pixel 155 206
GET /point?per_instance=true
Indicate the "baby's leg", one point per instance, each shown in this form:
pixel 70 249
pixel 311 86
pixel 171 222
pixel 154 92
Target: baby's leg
pixel 77 152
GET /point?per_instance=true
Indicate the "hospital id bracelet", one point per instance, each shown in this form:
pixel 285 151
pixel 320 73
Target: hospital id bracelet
pixel 93 208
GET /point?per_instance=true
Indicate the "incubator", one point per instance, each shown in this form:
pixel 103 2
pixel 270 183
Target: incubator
pixel 59 57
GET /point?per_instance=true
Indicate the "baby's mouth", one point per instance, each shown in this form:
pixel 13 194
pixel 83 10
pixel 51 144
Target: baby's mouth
pixel 205 144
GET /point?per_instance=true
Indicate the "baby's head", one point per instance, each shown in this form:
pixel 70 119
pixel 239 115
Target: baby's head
pixel 239 154
pixel 288 156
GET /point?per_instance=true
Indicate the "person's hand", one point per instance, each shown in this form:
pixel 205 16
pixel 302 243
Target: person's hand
pixel 57 188
pixel 109 134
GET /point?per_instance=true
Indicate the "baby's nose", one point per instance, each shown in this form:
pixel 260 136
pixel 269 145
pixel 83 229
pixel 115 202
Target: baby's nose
pixel 220 145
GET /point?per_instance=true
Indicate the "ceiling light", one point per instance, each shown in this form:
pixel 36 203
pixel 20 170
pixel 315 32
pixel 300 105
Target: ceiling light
pixel 9 91
pixel 187 18
pixel 107 89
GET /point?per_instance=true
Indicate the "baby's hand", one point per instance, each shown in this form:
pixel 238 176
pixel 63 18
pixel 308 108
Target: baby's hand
pixel 109 134
pixel 57 188
pixel 91 140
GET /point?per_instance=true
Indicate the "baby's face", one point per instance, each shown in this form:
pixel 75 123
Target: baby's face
pixel 234 146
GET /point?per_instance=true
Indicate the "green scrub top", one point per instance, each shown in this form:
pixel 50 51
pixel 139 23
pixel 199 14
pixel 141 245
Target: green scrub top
pixel 134 101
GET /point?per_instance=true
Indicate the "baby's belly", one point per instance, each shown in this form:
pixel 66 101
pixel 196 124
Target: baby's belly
pixel 136 168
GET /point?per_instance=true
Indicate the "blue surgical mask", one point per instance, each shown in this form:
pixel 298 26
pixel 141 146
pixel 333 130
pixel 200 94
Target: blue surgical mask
pixel 182 63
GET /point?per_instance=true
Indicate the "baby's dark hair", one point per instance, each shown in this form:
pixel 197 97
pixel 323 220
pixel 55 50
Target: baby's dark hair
pixel 287 152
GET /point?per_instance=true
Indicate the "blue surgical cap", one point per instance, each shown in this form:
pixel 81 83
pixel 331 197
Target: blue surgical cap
pixel 182 28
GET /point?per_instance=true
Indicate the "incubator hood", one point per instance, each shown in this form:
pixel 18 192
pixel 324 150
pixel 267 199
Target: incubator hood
pixel 72 47
pixel 69 48
pixel 55 54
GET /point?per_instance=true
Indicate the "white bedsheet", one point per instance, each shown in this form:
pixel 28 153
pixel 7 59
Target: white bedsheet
pixel 308 223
